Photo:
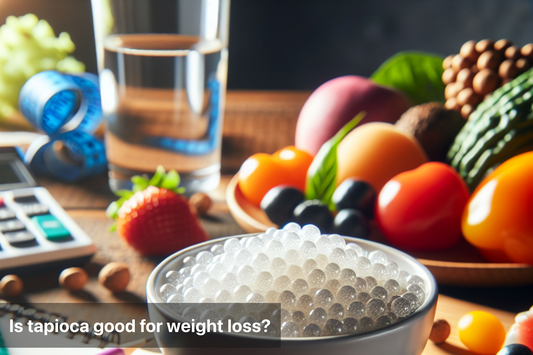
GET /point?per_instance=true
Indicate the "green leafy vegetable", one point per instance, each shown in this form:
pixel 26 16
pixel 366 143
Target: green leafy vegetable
pixel 417 74
pixel 322 174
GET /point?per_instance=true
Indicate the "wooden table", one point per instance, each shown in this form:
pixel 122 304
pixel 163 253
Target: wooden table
pixel 274 115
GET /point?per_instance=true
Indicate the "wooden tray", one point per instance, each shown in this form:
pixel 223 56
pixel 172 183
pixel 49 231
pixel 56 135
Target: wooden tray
pixel 461 265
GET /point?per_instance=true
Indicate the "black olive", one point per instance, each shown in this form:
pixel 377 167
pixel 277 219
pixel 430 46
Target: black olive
pixel 351 223
pixel 355 194
pixel 280 202
pixel 314 212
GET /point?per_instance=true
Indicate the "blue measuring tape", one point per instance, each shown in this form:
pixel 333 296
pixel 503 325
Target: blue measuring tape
pixel 67 108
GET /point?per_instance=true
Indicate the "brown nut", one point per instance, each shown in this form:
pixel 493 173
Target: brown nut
pixel 468 50
pixel 114 276
pixel 451 104
pixel 440 331
pixel 484 45
pixel 522 65
pixel 73 279
pixel 502 45
pixel 459 63
pixel 453 89
pixel 11 286
pixel 448 76
pixel 488 60
pixel 201 201
pixel 508 69
pixel 527 50
pixel 447 62
pixel 466 111
pixel 486 81
pixel 467 96
pixel 466 76
pixel 512 53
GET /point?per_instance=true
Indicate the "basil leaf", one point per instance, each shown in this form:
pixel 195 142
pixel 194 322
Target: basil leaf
pixel 322 174
pixel 417 74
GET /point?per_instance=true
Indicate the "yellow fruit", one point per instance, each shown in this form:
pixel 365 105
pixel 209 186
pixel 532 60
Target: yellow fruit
pixel 481 332
pixel 376 152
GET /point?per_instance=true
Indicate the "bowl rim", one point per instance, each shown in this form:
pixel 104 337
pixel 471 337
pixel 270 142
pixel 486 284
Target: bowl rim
pixel 429 303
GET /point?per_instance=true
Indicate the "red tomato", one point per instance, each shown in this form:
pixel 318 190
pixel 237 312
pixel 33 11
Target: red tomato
pixel 421 209
pixel 261 172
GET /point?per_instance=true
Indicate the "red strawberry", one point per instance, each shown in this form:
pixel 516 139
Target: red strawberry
pixel 156 220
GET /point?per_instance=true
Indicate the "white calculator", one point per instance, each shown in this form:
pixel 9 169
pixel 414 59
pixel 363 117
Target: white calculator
pixel 36 233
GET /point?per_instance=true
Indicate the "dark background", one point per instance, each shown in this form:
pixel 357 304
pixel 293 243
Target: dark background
pixel 299 44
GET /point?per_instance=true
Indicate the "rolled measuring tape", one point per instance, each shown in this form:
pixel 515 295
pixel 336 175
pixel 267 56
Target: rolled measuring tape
pixel 67 108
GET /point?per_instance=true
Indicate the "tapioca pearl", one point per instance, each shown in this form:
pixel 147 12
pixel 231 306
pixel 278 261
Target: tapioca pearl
pixel 271 296
pixel 189 261
pixel 166 291
pixel 416 280
pixel 336 311
pixel 375 307
pixel 393 287
pixel 299 318
pixel 270 231
pixel 282 283
pixel 255 245
pixel 371 282
pixel 295 227
pixel 241 292
pixel 318 315
pixel 211 286
pixel 185 272
pixel 402 278
pixel 290 330
pixel 393 317
pixel 188 282
pixel 246 274
pixel 305 303
pixel 332 271
pixel 383 321
pixel 310 232
pixel 217 270
pixel 366 324
pixel 324 298
pixel 292 256
pixel 243 257
pixel 322 260
pixel 378 257
pixel 393 270
pixel 338 256
pixel 199 279
pixel 255 297
pixel 217 249
pixel 346 295
pixel 261 262
pixel 291 240
pixel 295 272
pixel 363 266
pixel 263 281
pixel 351 325
pixel 316 278
pixel 324 245
pixel 229 281
pixel 266 238
pixel 275 249
pixel 360 284
pixel 333 285
pixel 309 265
pixel 333 327
pixel 179 289
pixel 379 272
pixel 379 292
pixel 360 251
pixel 312 330
pixel 223 296
pixel 236 310
pixel 192 295
pixel 173 277
pixel 401 307
pixel 299 287
pixel 413 300
pixel 175 299
pixel 209 314
pixel 307 249
pixel 191 313
pixel 417 291
pixel 363 297
pixel 389 302
pixel 232 245
pixel 227 259
pixel 351 258
pixel 287 299
pixel 356 310
pixel 348 277
pixel 278 267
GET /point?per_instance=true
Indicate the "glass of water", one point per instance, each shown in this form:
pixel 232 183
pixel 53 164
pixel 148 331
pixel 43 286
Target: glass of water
pixel 163 69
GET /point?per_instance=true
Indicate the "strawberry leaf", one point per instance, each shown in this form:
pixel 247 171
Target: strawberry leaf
pixel 139 183
pixel 158 176
pixel 179 190
pixel 171 180
pixel 113 227
pixel 112 210
pixel 124 193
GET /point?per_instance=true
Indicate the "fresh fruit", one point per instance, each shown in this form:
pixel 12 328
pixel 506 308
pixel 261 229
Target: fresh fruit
pixel 313 212
pixel 434 126
pixel 500 128
pixel 338 101
pixel 29 46
pixel 479 69
pixel 153 218
pixel 279 203
pixel 355 194
pixel 376 152
pixel 521 331
pixel 261 172
pixel 481 332
pixel 421 209
pixel 497 217
pixel 352 223
pixel 515 349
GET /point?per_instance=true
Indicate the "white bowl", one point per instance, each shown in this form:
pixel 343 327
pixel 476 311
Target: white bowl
pixel 407 337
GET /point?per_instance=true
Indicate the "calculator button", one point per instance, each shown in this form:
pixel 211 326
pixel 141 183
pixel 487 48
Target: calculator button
pixel 6 213
pixel 34 209
pixel 25 199
pixel 11 225
pixel 51 227
pixel 14 238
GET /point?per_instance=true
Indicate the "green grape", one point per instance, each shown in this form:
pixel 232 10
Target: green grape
pixel 28 46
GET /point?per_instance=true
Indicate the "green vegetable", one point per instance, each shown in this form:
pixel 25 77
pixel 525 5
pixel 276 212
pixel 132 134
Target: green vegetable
pixel 322 174
pixel 500 128
pixel 417 74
